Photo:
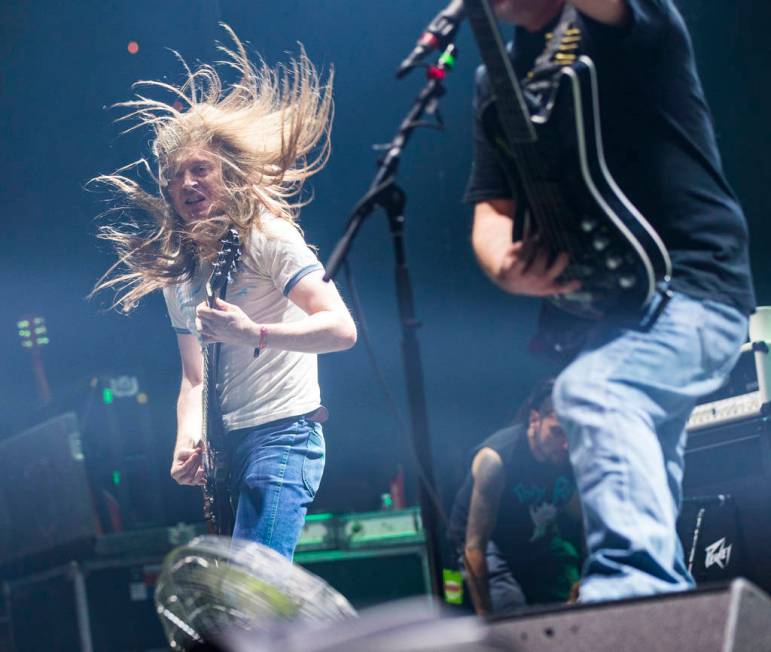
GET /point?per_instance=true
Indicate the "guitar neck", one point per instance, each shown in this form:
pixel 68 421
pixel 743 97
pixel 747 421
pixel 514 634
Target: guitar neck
pixel 510 102
pixel 522 144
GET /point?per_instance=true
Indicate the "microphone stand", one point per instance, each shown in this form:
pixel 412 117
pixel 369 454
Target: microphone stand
pixel 385 193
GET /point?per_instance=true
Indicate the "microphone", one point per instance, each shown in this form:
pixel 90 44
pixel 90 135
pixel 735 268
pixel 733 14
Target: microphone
pixel 437 36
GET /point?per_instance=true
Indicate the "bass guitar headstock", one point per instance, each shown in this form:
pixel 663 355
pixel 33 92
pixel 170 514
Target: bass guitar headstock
pixel 225 264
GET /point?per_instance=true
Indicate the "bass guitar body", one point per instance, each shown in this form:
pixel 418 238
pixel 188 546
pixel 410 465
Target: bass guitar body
pixel 574 205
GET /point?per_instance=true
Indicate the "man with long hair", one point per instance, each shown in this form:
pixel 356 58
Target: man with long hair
pixel 234 158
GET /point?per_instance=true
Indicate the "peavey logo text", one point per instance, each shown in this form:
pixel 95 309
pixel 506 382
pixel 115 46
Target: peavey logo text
pixel 717 553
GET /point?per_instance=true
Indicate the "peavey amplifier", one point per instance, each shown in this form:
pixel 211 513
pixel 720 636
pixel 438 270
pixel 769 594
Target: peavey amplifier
pixel 724 526
pixel 728 480
pixel 712 538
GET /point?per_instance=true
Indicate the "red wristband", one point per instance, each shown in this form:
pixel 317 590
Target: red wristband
pixel 262 340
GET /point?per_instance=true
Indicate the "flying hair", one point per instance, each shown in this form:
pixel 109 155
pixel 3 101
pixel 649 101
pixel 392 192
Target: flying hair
pixel 270 131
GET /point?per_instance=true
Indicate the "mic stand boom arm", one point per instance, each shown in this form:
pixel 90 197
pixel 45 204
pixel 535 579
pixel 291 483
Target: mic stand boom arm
pixel 386 194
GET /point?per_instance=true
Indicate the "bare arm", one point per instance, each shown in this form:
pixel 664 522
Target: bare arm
pixel 327 327
pixel 515 267
pixel 611 12
pixel 487 471
pixel 186 462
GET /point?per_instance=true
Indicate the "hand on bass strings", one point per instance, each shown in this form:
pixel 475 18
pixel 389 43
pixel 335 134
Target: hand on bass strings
pixel 186 466
pixel 524 268
pixel 520 267
pixel 225 322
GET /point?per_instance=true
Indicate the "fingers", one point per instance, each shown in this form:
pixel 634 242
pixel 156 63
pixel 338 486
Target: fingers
pixel 205 312
pixel 534 256
pixel 208 322
pixel 207 333
pixel 529 269
pixel 558 266
pixel 203 328
pixel 555 270
pixel 186 467
pixel 222 305
pixel 567 288
pixel 183 454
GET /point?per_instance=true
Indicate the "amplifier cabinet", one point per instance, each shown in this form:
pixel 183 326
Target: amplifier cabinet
pixel 45 500
pixel 371 576
pixel 99 606
pixel 728 479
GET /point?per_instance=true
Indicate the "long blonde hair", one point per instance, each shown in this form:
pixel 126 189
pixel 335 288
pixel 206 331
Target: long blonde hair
pixel 270 130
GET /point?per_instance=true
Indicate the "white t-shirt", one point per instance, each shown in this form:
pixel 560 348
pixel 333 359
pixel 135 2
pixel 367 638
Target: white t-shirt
pixel 277 384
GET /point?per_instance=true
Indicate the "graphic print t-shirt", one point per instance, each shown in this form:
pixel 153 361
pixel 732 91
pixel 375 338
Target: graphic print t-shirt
pixel 531 523
pixel 277 384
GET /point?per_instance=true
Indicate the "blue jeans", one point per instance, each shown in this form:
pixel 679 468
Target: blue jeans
pixel 276 470
pixel 624 402
pixel 505 592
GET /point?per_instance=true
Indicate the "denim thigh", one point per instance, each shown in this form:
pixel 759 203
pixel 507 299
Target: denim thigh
pixel 276 470
pixel 624 402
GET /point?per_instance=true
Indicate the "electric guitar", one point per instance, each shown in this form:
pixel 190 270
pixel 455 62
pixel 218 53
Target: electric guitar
pixel 217 507
pixel 553 142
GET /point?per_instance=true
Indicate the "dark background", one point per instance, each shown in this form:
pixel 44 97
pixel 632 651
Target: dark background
pixel 62 65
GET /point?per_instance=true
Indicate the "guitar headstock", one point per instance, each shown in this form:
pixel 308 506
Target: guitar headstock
pixel 225 264
pixel 33 332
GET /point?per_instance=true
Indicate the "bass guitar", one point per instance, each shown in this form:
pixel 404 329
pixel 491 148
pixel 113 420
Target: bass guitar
pixel 216 494
pixel 553 142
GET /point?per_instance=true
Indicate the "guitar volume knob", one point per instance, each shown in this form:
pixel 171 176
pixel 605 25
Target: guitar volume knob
pixel 613 262
pixel 627 282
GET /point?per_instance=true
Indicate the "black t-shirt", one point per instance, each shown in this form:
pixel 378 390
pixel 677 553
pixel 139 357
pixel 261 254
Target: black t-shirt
pixel 532 530
pixel 659 144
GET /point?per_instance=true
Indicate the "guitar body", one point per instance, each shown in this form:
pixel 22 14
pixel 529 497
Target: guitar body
pixel 615 253
pixel 217 506
pixel 550 136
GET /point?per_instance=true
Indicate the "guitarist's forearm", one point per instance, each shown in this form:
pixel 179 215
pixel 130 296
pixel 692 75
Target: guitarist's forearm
pixel 321 332
pixel 189 414
pixel 491 235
